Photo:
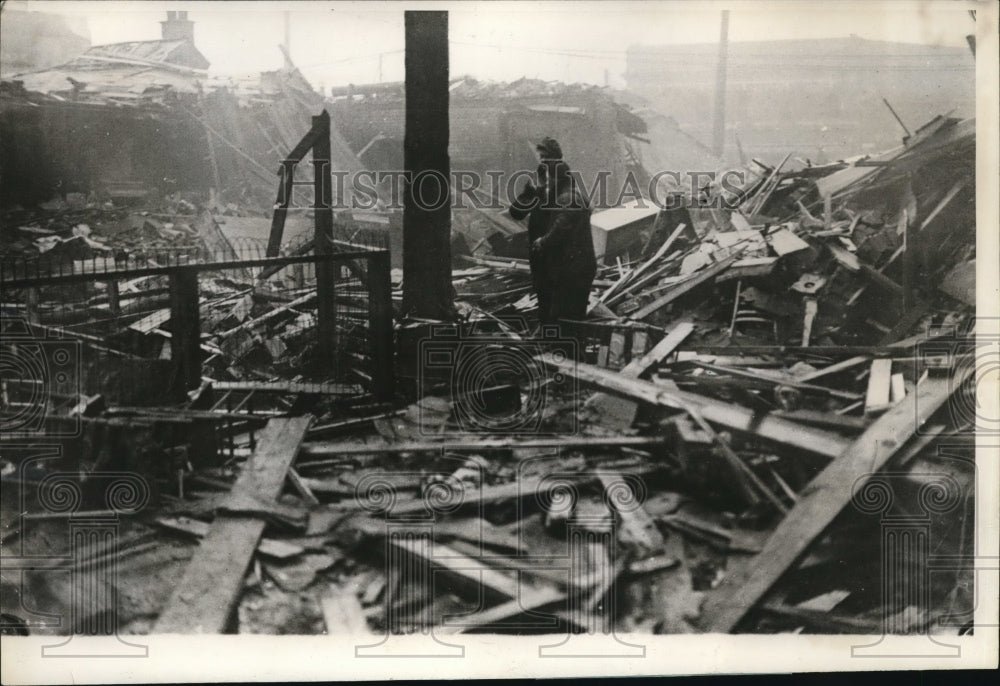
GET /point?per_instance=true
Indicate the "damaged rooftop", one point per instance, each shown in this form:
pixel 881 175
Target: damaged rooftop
pixel 289 400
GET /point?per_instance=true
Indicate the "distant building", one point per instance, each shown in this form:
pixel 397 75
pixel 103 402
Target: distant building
pixel 36 40
pixel 129 119
pixel 817 99
pixel 494 127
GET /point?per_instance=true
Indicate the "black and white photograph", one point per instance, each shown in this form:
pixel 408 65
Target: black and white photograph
pixel 369 340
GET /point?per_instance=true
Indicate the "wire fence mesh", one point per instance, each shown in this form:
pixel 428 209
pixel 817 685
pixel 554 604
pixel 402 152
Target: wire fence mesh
pixel 258 315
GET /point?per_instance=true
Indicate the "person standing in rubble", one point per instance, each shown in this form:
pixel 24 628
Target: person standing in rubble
pixel 562 260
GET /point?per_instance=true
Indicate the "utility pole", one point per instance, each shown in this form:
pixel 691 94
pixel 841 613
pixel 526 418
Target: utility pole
pixel 719 123
pixel 427 289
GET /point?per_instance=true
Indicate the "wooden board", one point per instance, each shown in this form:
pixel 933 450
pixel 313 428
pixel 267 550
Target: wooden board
pixel 268 546
pixel 733 417
pixel 706 275
pixel 329 449
pixel 822 500
pixel 619 413
pixel 785 242
pixel 879 380
pixel 204 599
pixel 528 601
pixel 833 368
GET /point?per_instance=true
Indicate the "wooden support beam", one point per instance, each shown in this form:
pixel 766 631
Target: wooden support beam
pixel 380 327
pixel 823 499
pixel 326 272
pixel 732 417
pixel 287 184
pixel 114 301
pixel 185 332
pixel 204 599
pixel 427 287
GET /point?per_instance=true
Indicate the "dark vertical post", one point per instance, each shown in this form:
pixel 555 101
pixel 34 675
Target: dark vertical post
pixel 185 330
pixel 32 305
pixel 285 187
pixel 427 290
pixel 323 241
pixel 719 124
pixel 114 302
pixel 380 326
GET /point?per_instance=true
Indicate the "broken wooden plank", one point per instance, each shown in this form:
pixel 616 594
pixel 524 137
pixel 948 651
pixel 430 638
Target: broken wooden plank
pixel 833 368
pixel 823 499
pixel 267 316
pixel 631 279
pixel 529 600
pixel 760 375
pixel 784 242
pixel 897 388
pixel 205 597
pixel 747 479
pixel 616 350
pixel 661 351
pixel 288 387
pixel 851 262
pixel 302 487
pixel 879 380
pixel 824 622
pixel 704 276
pixel 469 573
pixel 321 449
pixel 268 546
pixel 825 419
pixel 618 412
pixel 733 417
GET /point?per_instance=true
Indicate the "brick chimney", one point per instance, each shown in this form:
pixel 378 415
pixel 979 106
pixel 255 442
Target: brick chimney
pixel 178 27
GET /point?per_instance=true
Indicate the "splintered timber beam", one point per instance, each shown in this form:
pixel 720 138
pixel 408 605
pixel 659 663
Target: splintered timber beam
pixel 732 417
pixel 205 597
pixel 823 499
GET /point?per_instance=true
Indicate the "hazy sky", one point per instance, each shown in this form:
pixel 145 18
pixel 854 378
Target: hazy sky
pixel 336 43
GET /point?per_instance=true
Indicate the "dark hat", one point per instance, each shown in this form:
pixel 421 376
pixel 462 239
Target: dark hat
pixel 549 149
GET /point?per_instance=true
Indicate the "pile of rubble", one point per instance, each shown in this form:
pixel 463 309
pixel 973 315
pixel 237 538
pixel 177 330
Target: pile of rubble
pixel 706 464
